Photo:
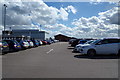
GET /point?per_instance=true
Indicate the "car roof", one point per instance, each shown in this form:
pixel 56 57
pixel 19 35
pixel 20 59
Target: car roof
pixel 112 38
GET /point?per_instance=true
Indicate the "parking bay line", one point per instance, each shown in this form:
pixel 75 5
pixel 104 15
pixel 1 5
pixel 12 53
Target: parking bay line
pixel 49 51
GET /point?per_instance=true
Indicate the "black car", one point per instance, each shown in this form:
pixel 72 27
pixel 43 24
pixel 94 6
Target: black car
pixel 82 41
pixel 71 41
pixel 75 42
pixel 13 45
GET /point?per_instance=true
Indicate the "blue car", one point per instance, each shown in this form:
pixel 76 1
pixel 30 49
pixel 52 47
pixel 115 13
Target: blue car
pixel 35 42
pixel 24 44
pixel 48 42
pixel 4 47
pixel 13 45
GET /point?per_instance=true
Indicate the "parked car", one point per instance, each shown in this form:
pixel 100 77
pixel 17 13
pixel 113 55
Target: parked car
pixel 55 41
pixel 30 43
pixel 41 42
pixel 35 42
pixel 13 45
pixel 75 42
pixel 48 42
pixel 44 42
pixel 0 47
pixel 77 47
pixel 24 44
pixel 82 41
pixel 102 46
pixel 4 47
pixel 71 41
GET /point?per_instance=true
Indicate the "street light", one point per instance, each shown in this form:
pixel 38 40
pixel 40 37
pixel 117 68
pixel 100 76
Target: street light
pixel 40 26
pixel 4 16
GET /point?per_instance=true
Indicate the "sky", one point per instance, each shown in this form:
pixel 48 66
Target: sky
pixel 83 9
pixel 74 19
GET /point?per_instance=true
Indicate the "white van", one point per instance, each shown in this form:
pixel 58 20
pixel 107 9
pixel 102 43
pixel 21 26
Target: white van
pixel 102 46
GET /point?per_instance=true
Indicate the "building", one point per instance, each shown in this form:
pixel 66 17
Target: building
pixel 36 34
pixel 61 37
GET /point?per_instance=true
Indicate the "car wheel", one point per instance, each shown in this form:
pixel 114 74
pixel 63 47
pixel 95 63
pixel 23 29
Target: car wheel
pixel 91 53
pixel 4 53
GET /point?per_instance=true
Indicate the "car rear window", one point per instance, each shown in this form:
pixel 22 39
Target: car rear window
pixel 4 43
pixel 15 42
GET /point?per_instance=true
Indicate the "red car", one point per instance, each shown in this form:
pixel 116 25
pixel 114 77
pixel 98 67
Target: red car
pixel 44 42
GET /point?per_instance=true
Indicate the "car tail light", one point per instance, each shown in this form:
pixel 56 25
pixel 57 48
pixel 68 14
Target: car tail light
pixel 23 43
pixel 0 45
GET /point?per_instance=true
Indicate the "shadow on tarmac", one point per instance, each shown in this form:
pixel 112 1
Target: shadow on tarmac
pixel 70 48
pixel 98 57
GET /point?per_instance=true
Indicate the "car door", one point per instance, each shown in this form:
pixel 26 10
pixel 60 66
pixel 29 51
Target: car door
pixel 114 44
pixel 103 47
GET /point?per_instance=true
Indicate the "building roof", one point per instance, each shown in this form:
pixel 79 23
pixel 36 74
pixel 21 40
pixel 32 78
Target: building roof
pixel 62 35
pixel 24 30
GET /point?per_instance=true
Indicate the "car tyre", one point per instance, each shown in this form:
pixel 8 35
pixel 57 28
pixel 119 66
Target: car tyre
pixel 3 53
pixel 91 53
pixel 119 53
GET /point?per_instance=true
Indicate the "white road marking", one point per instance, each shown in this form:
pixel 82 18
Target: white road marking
pixel 49 51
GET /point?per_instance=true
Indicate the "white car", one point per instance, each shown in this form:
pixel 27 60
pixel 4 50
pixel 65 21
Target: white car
pixel 102 46
pixel 41 43
pixel 78 47
pixel 26 44
pixel 30 43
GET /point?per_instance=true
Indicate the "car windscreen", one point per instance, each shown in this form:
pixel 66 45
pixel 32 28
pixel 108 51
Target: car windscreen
pixel 89 42
pixel 15 42
pixel 96 41
pixel 4 43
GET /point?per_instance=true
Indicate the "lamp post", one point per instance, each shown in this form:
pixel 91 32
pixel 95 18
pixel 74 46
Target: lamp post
pixel 4 16
pixel 40 26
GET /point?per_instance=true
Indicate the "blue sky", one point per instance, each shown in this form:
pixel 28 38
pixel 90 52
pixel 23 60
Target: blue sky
pixel 84 9
pixel 76 19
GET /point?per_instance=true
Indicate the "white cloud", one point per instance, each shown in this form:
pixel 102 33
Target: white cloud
pixel 58 29
pixel 63 14
pixel 110 16
pixel 95 2
pixel 1 28
pixel 71 9
pixel 105 25
pixel 24 13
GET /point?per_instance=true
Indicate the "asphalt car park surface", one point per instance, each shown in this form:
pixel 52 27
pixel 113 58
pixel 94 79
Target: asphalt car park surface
pixel 57 61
